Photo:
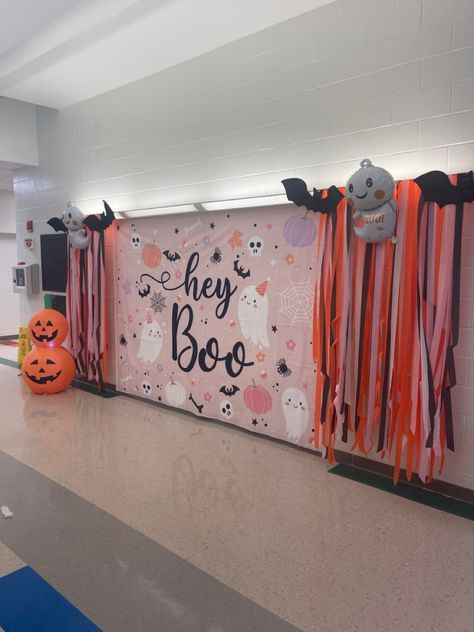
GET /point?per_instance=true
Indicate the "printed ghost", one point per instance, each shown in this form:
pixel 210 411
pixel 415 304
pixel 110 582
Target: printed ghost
pixel 296 412
pixel 253 313
pixel 151 340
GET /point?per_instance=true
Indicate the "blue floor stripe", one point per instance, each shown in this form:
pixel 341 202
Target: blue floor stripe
pixel 29 604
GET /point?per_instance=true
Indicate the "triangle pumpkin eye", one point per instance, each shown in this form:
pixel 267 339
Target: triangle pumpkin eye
pixel 48 361
pixel 49 324
pixel 35 362
pixel 38 323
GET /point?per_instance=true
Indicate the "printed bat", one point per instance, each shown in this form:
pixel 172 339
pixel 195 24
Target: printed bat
pixel 142 293
pixel 171 256
pixel 297 192
pixel 229 391
pixel 241 271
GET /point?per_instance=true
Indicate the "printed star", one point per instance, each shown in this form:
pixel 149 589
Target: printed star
pixel 305 386
pixel 269 226
pixel 274 329
pixel 176 231
pixel 158 302
pixel 254 422
pixel 212 225
pixel 273 262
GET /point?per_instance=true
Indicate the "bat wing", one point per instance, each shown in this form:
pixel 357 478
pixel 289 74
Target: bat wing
pixel 235 389
pixel 330 202
pixel 297 192
pixel 223 390
pixel 436 187
pixel 57 224
pixel 101 222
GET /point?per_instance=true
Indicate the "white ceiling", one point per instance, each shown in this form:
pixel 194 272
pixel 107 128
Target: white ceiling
pixel 60 52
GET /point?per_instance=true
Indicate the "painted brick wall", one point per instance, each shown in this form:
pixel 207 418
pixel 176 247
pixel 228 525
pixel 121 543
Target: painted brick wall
pixel 388 79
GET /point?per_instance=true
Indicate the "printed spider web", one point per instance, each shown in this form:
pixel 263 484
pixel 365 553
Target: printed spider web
pixel 296 302
pixel 158 302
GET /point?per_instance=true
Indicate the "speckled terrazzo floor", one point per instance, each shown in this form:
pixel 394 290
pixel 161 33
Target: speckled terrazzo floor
pixel 265 525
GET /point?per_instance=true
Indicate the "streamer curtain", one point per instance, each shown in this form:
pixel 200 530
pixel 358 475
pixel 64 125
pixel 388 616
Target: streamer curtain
pixel 385 324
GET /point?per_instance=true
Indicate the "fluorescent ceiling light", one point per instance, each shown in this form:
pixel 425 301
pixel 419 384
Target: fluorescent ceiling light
pixel 162 210
pixel 268 200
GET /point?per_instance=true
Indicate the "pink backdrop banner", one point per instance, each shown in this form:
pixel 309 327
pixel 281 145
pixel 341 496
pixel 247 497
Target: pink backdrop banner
pixel 214 316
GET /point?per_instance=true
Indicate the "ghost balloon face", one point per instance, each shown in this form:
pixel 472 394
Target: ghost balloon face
pixel 72 218
pixel 151 341
pixel 253 314
pixel 296 413
pixel 369 187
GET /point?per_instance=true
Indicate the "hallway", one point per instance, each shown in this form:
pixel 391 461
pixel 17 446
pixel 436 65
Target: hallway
pixel 113 497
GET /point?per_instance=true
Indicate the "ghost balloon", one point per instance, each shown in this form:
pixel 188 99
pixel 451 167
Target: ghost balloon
pixel 369 193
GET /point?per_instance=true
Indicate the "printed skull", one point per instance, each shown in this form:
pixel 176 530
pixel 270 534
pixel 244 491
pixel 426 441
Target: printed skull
pixel 146 387
pixel 255 246
pixel 226 409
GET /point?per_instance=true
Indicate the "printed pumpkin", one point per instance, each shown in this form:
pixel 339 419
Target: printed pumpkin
pixel 299 231
pixel 48 328
pixel 48 370
pixel 257 399
pixel 175 393
pixel 151 255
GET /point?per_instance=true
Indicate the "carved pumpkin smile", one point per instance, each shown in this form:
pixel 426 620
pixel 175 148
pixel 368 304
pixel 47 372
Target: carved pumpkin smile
pixel 48 328
pixel 42 378
pixel 48 370
pixel 44 337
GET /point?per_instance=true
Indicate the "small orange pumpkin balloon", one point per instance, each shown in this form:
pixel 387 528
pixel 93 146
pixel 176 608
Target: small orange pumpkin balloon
pixel 48 328
pixel 151 255
pixel 48 370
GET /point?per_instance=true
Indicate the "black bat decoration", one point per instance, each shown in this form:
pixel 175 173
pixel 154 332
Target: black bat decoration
pixel 103 221
pixel 229 391
pixel 436 187
pixel 91 221
pixel 143 293
pixel 57 224
pixel 241 271
pixel 297 192
pixel 171 256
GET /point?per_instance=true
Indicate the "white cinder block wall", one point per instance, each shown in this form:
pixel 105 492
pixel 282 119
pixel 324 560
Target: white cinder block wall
pixel 389 79
pixel 10 308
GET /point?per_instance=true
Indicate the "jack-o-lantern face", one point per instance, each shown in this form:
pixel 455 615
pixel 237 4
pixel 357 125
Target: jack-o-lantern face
pixel 48 370
pixel 48 328
pixel 369 187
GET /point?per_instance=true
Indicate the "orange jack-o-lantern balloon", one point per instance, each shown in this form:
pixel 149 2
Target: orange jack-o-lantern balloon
pixel 48 370
pixel 48 328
